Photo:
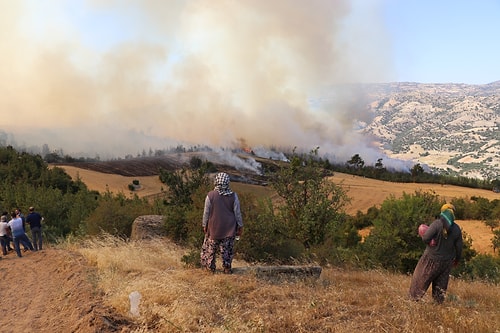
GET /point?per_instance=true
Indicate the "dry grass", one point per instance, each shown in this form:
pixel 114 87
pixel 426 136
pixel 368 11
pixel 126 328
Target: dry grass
pixel 179 299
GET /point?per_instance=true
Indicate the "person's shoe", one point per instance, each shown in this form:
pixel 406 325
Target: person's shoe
pixel 228 270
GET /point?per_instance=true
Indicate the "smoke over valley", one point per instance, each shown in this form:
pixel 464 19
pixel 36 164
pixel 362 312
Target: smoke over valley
pixel 112 78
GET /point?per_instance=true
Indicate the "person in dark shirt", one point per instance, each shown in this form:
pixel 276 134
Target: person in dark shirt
pixel 438 259
pixel 34 220
pixel 222 222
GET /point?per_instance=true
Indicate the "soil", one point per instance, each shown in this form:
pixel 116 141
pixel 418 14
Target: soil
pixel 52 291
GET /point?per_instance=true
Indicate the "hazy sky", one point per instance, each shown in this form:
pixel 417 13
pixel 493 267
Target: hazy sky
pixel 444 41
pixel 114 77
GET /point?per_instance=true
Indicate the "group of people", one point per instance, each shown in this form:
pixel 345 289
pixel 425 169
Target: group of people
pixel 13 230
pixel 222 224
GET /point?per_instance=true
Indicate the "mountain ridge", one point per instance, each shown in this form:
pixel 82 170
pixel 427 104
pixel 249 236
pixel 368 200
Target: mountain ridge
pixel 451 127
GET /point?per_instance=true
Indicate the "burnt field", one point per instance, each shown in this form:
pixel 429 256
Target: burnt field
pixel 242 168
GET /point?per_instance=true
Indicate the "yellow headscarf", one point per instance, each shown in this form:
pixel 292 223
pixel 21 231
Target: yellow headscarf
pixel 448 214
pixel 448 206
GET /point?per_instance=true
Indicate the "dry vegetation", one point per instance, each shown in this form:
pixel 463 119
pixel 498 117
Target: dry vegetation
pixel 176 298
pixel 85 285
pixel 180 299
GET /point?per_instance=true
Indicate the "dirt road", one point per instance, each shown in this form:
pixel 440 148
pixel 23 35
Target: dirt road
pixel 52 291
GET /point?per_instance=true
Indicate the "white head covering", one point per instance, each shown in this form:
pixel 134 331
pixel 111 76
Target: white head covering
pixel 222 184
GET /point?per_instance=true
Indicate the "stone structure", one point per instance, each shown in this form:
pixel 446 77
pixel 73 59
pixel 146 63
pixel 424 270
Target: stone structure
pixel 280 272
pixel 148 227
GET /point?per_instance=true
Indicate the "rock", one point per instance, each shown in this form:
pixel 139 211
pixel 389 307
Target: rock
pixel 280 272
pixel 148 227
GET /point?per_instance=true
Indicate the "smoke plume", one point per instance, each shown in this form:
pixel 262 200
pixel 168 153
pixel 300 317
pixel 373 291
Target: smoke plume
pixel 117 77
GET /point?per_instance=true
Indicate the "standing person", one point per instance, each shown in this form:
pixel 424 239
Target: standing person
pixel 34 219
pixel 9 238
pixel 222 222
pixel 4 235
pixel 23 218
pixel 437 261
pixel 18 234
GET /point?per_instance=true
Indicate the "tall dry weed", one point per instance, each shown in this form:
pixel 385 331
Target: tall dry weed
pixel 178 299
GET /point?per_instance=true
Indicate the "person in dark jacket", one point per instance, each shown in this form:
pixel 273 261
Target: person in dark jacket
pixel 222 222
pixel 437 261
pixel 34 220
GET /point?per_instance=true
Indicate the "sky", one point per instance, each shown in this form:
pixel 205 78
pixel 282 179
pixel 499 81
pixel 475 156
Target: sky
pixel 116 77
pixel 444 41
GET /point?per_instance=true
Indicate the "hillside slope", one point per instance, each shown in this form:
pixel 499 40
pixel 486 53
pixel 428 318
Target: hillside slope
pixel 450 127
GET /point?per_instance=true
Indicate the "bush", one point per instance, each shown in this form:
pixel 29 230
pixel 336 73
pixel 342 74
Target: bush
pixel 483 267
pixel 115 215
pixel 393 243
pixel 264 238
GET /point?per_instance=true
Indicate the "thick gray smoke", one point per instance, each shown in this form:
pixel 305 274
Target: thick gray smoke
pixel 117 77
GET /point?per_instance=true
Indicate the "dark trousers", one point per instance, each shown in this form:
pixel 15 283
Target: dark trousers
pixel 430 271
pixel 36 236
pixel 211 247
pixel 5 244
pixel 23 239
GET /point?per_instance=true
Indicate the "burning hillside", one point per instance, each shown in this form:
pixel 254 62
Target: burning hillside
pixel 241 166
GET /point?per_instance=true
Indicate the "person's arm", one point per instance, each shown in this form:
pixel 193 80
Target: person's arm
pixel 458 247
pixel 206 214
pixel 432 231
pixel 237 214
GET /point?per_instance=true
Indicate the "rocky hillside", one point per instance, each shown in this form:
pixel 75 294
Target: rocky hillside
pixel 453 128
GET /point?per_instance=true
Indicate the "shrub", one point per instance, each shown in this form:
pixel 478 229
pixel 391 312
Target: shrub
pixel 483 267
pixel 393 243
pixel 115 215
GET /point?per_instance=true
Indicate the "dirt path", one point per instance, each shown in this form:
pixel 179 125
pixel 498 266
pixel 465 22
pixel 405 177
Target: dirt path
pixel 52 291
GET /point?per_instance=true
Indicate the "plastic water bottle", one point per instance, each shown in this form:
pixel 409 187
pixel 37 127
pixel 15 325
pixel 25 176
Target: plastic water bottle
pixel 135 299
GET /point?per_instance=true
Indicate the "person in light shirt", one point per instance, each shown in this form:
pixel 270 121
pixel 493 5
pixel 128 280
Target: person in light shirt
pixel 18 234
pixel 5 238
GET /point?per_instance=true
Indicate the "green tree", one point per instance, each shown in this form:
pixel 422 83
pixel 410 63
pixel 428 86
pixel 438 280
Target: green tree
pixel 312 205
pixel 356 162
pixel 393 242
pixel 416 171
pixel 379 168
pixel 496 240
pixel 184 201
pixel 492 224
